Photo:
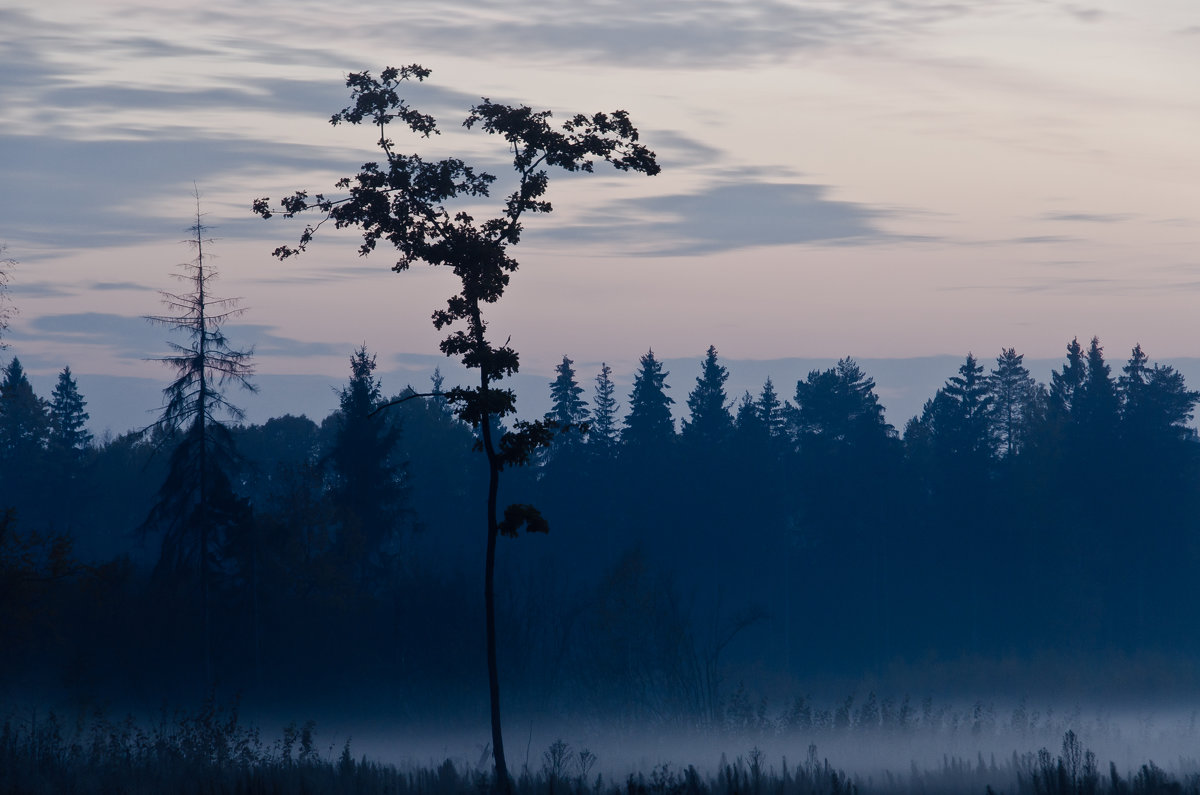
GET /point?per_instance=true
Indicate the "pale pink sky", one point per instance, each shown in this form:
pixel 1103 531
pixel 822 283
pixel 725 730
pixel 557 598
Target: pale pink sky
pixel 865 178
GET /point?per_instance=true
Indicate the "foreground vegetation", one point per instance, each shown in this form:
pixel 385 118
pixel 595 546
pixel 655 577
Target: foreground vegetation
pixel 211 750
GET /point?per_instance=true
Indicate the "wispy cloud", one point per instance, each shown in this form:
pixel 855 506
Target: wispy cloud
pixel 1041 239
pixel 704 34
pixel 1087 218
pixel 268 343
pixel 726 216
pixel 1084 13
pixel 126 337
pixel 39 289
pixel 80 194
pixel 134 338
pixel 118 286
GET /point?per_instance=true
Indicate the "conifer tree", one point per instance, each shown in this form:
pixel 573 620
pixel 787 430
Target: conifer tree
pixel 710 422
pixel 1156 405
pixel 437 392
pixel 24 430
pixel 839 405
pixel 1171 401
pixel 968 434
pixel 67 446
pixel 24 417
pixel 568 410
pixel 1065 385
pixel 1097 405
pixel 748 419
pixel 69 435
pixel 197 507
pixel 771 410
pixel 649 423
pixel 1013 394
pixel 367 489
pixel 1132 382
pixel 603 433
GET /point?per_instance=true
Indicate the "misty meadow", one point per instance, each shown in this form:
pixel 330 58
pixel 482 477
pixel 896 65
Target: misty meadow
pixel 777 573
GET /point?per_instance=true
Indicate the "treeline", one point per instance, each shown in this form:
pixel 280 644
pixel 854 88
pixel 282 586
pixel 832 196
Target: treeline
pixel 771 539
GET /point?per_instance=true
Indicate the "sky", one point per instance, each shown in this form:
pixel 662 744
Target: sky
pixel 880 178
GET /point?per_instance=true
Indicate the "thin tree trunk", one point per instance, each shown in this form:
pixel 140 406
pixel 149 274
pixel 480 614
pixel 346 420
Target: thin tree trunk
pixel 201 418
pixel 206 619
pixel 489 595
pixel 255 617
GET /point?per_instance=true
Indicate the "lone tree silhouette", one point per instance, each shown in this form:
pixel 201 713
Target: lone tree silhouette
pixel 196 502
pixel 405 201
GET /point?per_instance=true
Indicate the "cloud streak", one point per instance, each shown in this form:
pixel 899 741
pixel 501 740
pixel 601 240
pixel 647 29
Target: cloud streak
pixel 704 34
pixel 728 216
pixel 134 338
pixel 1087 218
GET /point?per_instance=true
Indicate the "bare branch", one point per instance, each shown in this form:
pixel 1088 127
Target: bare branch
pixel 405 399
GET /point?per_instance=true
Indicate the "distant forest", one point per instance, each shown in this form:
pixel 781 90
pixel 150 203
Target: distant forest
pixel 772 539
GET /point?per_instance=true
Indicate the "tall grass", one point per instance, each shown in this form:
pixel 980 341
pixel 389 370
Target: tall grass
pixel 211 751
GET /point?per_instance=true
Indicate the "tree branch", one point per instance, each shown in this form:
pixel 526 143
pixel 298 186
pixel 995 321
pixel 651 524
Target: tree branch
pixel 404 399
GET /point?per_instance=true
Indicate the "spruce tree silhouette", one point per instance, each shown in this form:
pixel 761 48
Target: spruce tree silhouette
pixel 406 202
pixel 1015 399
pixel 1096 406
pixel 196 506
pixel 69 436
pixel 367 489
pixel 649 425
pixel 968 435
pixel 838 405
pixel 1066 384
pixel 603 434
pixel 771 410
pixel 24 430
pixel 68 445
pixel 568 410
pixel 710 422
pixel 1156 405
pixel 748 419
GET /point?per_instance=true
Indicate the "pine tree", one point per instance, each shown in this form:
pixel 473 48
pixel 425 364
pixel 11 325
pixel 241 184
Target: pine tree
pixel 67 446
pixel 748 420
pixel 1013 394
pixel 1066 385
pixel 24 430
pixel 649 423
pixel 69 436
pixel 367 489
pixel 967 394
pixel 1097 405
pixel 771 410
pixel 568 409
pixel 603 434
pixel 710 422
pixel 1132 382
pixel 24 417
pixel 839 405
pixel 197 508
pixel 1156 405
pixel 437 392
